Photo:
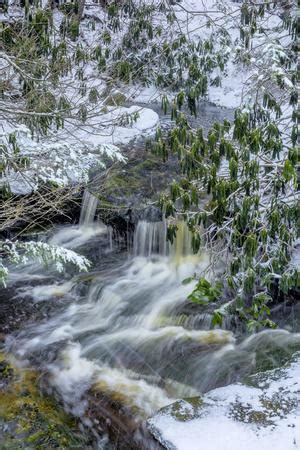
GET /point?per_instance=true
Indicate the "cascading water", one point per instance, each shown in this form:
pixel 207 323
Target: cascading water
pixel 150 238
pixel 88 209
pixel 127 336
pixel 87 229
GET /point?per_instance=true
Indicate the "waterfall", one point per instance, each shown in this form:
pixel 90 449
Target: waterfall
pixel 110 238
pixel 150 238
pixel 88 209
pixel 182 245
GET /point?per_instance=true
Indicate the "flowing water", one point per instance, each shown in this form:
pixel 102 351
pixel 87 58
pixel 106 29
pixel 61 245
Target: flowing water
pixel 88 210
pixel 125 328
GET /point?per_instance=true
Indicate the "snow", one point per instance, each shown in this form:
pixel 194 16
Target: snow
pixel 221 433
pixel 147 94
pixel 229 94
pixel 295 260
pixel 124 124
pixel 66 156
pixel 20 252
pixel 18 184
pixel 227 421
pixel 54 160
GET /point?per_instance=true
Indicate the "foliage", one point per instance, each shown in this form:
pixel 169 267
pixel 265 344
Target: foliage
pixel 47 59
pixel 248 169
pixel 205 292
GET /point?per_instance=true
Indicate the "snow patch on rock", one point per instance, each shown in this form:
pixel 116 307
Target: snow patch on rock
pixel 265 416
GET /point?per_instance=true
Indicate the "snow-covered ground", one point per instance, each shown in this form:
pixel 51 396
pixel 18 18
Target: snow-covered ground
pixel 237 417
pixel 65 155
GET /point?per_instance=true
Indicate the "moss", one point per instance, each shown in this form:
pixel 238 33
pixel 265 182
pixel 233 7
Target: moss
pixel 149 164
pixel 181 414
pixel 104 203
pixel 124 184
pixel 244 413
pixel 196 402
pixel 34 420
pixel 185 410
pixel 278 405
pixel 6 371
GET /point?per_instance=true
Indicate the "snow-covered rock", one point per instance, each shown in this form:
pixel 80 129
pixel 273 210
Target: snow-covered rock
pixel 262 415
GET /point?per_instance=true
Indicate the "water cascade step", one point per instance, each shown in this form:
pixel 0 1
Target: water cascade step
pixel 150 238
pixel 88 209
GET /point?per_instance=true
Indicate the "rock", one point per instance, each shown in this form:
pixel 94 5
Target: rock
pixel 112 416
pixel 262 416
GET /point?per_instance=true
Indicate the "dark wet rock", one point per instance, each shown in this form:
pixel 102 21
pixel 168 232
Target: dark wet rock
pixel 17 310
pixel 113 417
pixel 149 214
pixel 130 191
pixel 14 312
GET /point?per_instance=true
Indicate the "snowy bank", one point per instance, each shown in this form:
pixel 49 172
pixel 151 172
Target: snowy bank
pixel 264 415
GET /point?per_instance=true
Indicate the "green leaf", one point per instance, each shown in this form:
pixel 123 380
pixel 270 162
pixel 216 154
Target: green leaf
pixel 204 292
pixel 288 172
pixel 188 280
pixel 217 319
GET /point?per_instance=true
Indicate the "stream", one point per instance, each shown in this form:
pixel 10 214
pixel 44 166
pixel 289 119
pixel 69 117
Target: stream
pixel 125 330
pixel 123 337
